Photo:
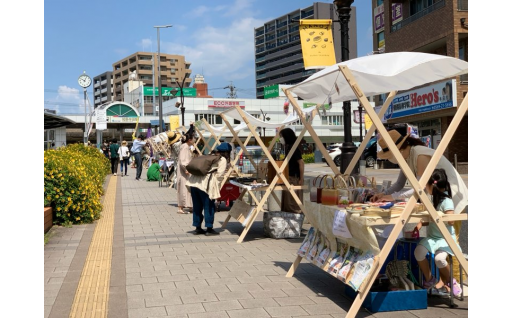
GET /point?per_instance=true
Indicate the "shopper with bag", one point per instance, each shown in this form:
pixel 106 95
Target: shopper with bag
pixel 205 189
pixel 124 155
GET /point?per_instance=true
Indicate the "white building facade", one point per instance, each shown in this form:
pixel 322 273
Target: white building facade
pixel 328 125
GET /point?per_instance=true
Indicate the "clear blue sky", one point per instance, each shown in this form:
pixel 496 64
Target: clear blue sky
pixel 215 36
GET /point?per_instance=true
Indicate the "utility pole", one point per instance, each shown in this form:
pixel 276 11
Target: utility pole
pixel 232 91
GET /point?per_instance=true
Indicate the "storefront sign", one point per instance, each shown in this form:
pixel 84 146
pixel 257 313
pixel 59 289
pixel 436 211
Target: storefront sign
pixel 118 119
pixel 378 18
pixel 396 13
pixel 359 119
pixel 433 97
pixel 226 103
pixel 167 91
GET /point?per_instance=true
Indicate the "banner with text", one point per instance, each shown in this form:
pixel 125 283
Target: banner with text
pixel 317 44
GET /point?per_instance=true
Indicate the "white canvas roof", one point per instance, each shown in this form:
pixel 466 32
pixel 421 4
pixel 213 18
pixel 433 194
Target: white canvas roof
pixel 292 117
pixel 379 74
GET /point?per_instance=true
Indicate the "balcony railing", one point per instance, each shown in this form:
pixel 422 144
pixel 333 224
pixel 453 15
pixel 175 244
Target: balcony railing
pixel 258 33
pixel 259 59
pixel 419 15
pixel 282 24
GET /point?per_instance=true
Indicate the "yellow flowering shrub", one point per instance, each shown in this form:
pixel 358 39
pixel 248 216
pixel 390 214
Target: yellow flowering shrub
pixel 308 157
pixel 73 183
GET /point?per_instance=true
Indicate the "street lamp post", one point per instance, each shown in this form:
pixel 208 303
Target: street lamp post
pixel 181 103
pixel 348 148
pixel 160 118
pixel 265 118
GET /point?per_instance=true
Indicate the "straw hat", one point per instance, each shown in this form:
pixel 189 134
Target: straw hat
pixel 173 137
pixel 398 139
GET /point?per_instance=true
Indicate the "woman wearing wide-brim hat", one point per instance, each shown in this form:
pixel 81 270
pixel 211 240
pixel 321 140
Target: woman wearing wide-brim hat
pixel 417 156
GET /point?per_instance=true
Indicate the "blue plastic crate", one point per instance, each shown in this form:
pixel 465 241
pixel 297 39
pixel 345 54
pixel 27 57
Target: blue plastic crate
pixel 392 300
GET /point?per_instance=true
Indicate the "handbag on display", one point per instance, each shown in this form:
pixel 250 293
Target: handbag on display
pixel 329 193
pixel 344 194
pixel 313 189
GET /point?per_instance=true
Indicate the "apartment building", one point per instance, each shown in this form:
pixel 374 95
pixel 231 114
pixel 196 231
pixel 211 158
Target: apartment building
pixel 429 26
pixel 277 46
pixel 103 88
pixel 144 66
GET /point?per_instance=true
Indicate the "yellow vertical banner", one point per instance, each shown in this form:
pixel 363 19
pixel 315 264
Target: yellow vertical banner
pixel 367 121
pixel 174 122
pixel 317 44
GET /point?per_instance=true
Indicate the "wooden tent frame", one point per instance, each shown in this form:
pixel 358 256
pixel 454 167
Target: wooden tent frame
pixel 213 136
pixel 418 186
pixel 279 170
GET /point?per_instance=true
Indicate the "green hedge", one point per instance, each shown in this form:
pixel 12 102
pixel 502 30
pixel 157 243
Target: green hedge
pixel 308 158
pixel 73 183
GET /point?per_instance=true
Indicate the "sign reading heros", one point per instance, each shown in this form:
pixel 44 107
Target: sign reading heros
pixel 433 97
pixel 226 103
pixel 317 44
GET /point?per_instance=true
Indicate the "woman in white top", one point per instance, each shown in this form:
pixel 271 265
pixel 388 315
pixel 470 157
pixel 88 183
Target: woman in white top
pixel 417 156
pixel 124 157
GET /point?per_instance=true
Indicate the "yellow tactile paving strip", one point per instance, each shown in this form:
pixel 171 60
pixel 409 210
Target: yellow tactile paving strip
pixel 91 298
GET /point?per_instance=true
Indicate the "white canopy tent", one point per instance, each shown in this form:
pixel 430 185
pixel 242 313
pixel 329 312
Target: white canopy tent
pixel 379 74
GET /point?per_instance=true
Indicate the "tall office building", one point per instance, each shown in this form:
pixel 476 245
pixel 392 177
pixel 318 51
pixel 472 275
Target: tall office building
pixel 103 87
pixel 436 27
pixel 277 48
pixel 173 69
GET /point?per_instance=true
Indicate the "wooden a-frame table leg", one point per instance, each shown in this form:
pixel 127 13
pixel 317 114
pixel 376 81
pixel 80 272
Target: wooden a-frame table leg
pixel 294 266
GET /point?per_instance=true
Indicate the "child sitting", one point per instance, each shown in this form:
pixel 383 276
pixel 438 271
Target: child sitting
pixel 439 187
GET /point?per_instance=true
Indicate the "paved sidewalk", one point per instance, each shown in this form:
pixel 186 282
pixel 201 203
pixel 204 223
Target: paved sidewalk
pixel 160 269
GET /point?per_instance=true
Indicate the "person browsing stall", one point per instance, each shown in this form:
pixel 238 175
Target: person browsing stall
pixel 417 156
pixel 434 243
pixel 185 155
pixel 206 189
pixel 295 171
